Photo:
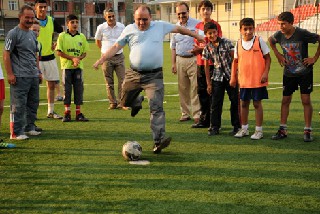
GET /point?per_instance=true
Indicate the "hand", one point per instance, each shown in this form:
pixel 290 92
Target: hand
pixel 76 61
pixel 196 49
pixel 174 69
pixel 53 46
pixel 308 61
pixel 281 59
pixel 264 77
pixel 200 38
pixel 233 83
pixel 96 64
pixel 209 89
pixel 12 79
pixel 40 78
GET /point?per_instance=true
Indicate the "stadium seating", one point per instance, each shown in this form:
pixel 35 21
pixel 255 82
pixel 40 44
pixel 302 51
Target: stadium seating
pixel 305 16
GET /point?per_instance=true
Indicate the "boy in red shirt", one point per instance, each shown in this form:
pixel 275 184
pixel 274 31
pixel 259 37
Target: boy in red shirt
pixel 205 10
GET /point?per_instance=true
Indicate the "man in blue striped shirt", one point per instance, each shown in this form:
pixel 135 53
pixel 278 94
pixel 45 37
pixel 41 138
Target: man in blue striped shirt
pixel 185 65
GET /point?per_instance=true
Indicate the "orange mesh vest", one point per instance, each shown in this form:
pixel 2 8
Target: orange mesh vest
pixel 251 65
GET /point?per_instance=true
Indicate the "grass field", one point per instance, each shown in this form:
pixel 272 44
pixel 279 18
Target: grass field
pixel 78 167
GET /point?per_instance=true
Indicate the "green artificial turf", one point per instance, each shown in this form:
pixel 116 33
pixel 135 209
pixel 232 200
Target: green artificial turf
pixel 78 168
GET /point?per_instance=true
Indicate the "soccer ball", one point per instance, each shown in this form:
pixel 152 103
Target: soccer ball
pixel 131 151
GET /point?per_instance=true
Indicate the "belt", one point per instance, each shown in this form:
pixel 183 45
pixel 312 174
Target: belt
pixel 186 56
pixel 147 71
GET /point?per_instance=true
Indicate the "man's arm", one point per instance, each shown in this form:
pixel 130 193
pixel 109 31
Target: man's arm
pixel 312 60
pixel 108 54
pixel 280 57
pixel 265 74
pixel 208 78
pixel 173 60
pixel 185 31
pixel 98 43
pixel 234 72
pixel 7 64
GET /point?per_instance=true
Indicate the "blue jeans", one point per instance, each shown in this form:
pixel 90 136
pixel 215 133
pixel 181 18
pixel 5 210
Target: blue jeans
pixel 24 102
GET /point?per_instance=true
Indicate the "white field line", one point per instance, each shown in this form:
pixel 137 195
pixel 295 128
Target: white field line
pixel 168 83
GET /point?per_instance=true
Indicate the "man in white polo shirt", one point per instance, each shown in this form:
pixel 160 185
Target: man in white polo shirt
pixel 145 39
pixel 106 35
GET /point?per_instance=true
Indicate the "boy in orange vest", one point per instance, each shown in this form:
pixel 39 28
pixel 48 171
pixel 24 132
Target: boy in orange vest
pixel 250 69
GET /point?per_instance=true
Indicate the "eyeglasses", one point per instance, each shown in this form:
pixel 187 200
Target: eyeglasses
pixel 142 19
pixel 111 16
pixel 182 13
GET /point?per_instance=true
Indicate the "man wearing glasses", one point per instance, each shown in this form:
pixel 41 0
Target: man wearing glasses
pixel 106 35
pixel 184 63
pixel 145 39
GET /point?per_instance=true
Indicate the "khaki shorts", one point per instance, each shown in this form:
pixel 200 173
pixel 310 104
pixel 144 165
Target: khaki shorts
pixel 50 70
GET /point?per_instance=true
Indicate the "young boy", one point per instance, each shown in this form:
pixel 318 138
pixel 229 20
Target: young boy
pixel 205 10
pixel 220 51
pixel 72 47
pixel 298 69
pixel 35 27
pixel 250 68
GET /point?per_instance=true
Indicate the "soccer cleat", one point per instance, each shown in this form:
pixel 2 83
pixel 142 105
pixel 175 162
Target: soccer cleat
pixel 257 135
pixel 281 133
pixel 81 118
pixel 19 137
pixel 242 133
pixel 213 131
pixel 66 117
pixel 135 109
pixel 307 136
pixel 32 133
pixel 54 115
pixel 4 145
pixel 165 142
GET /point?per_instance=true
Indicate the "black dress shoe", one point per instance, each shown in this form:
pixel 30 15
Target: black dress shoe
pixel 199 125
pixel 213 131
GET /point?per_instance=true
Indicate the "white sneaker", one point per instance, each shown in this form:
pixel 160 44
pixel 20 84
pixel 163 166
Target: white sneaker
pixel 242 133
pixel 257 135
pixel 33 133
pixel 19 137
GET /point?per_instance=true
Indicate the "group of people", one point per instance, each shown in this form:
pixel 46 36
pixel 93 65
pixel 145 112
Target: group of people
pixel 206 63
pixel 29 57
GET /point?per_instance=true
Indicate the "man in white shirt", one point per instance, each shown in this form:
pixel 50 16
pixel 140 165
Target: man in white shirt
pixel 106 35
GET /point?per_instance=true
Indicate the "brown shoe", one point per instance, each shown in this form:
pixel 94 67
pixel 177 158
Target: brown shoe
pixel 112 106
pixel 183 119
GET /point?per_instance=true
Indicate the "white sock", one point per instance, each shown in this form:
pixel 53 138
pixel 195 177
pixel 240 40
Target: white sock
pixel 259 128
pixel 50 108
pixel 245 127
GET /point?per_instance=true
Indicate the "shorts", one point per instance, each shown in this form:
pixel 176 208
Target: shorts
pixel 2 90
pixel 255 94
pixel 49 69
pixel 290 84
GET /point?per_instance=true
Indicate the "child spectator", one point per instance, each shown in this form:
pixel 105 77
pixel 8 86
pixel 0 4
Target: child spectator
pixel 220 51
pixel 250 68
pixel 72 47
pixel 298 70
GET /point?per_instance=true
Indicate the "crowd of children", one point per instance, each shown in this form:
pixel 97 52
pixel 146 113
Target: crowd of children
pixel 241 69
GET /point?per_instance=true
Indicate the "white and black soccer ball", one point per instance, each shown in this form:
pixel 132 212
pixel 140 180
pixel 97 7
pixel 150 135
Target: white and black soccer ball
pixel 131 151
